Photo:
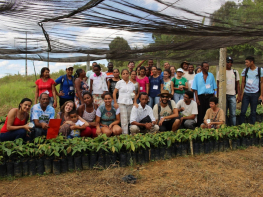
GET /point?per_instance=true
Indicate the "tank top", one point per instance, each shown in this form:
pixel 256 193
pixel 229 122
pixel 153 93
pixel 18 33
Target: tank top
pixel 112 87
pixel 17 122
pixel 89 117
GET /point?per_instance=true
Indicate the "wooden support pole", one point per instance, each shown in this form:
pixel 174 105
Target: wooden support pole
pixel 158 63
pixel 26 57
pixel 88 64
pixel 222 79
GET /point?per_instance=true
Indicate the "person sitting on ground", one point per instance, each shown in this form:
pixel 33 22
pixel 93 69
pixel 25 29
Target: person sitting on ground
pixel 165 112
pixel 108 117
pixel 142 119
pixel 87 111
pixel 15 124
pixel 76 125
pixel 188 111
pixel 41 113
pixel 214 116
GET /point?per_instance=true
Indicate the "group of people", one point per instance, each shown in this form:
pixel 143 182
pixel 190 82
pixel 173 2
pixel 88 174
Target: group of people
pixel 141 100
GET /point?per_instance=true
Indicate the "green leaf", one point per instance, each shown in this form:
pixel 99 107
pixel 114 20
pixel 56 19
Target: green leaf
pixel 132 147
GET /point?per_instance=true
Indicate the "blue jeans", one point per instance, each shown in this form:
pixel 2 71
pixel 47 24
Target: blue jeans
pixel 231 104
pixel 178 97
pixel 12 135
pixel 252 99
pixel 153 101
pixel 39 132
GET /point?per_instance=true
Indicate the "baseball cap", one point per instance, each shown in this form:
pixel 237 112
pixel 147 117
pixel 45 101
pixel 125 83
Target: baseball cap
pixel 229 59
pixel 69 66
pixel 180 70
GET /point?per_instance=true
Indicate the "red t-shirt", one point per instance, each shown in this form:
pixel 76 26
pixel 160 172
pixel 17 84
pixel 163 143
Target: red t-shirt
pixel 43 86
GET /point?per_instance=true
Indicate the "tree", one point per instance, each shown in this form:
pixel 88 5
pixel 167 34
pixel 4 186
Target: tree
pixel 118 46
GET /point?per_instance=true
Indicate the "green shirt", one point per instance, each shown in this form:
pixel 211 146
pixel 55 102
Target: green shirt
pixel 178 82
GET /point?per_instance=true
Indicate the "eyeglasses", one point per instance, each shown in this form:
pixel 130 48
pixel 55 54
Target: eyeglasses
pixel 165 96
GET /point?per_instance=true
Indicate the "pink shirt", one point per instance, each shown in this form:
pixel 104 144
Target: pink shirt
pixel 43 86
pixel 142 83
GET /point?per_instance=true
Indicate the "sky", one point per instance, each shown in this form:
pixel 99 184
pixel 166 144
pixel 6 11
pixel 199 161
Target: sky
pixel 133 38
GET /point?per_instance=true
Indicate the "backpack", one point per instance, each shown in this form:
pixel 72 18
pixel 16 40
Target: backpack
pixel 259 74
pixel 159 108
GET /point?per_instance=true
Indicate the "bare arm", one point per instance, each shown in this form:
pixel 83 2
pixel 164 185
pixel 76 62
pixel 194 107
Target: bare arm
pixel 147 88
pixel 161 86
pixel 115 98
pixel 36 94
pixel 11 117
pixel 186 86
pixel 78 91
pixel 174 115
pixel 117 121
pixel 217 83
pixel 91 84
pixel 108 83
pixel 192 117
pixel 139 65
pixel 172 87
pixel 54 91
pixel 242 87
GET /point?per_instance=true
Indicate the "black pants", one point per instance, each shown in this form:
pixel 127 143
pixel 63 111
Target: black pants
pixel 62 101
pixel 204 105
pixel 167 125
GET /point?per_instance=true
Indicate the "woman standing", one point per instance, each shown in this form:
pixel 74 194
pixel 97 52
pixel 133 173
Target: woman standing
pixel 167 83
pixel 46 84
pixel 88 112
pixel 80 86
pixel 113 81
pixel 15 124
pixel 108 117
pixel 180 85
pixel 126 92
pixel 66 91
pixel 98 85
pixel 143 80
pixel 137 71
pixel 156 85
pixel 135 83
pixel 173 73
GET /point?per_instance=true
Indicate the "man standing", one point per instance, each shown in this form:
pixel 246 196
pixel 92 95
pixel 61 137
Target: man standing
pixel 252 85
pixel 190 76
pixel 166 67
pixel 188 111
pixel 131 66
pixel 41 113
pixel 232 88
pixel 90 72
pixel 142 119
pixel 165 112
pixel 203 85
pixel 109 73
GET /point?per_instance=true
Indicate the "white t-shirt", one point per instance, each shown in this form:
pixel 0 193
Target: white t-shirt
pixel 125 90
pixel 188 109
pixel 230 81
pixel 76 132
pixel 99 83
pixel 190 79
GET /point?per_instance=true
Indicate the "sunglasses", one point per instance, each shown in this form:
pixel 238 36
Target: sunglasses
pixel 165 96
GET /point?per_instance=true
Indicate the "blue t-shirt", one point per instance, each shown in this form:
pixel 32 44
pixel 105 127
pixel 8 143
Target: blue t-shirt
pixel 202 86
pixel 67 86
pixel 155 86
pixel 252 81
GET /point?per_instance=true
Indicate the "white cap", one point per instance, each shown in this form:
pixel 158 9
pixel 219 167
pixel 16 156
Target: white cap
pixel 69 66
pixel 180 70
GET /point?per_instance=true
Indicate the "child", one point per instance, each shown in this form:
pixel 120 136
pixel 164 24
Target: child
pixel 98 85
pixel 76 124
pixel 214 116
pixel 167 83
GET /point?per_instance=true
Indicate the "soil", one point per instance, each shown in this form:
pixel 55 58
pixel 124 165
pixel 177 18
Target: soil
pixel 234 173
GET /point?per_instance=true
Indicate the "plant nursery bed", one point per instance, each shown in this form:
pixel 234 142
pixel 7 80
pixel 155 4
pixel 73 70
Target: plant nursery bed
pixel 233 173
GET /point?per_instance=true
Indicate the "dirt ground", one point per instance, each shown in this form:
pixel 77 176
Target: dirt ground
pixel 235 173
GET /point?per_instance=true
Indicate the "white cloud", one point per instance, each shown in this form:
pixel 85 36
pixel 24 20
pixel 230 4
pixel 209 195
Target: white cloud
pixel 3 63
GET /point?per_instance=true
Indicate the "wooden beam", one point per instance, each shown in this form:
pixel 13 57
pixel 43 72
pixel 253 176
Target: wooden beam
pixel 222 79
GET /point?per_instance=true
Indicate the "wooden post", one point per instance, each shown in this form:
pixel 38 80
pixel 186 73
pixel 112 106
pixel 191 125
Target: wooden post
pixel 26 57
pixel 158 63
pixel 88 63
pixel 222 79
